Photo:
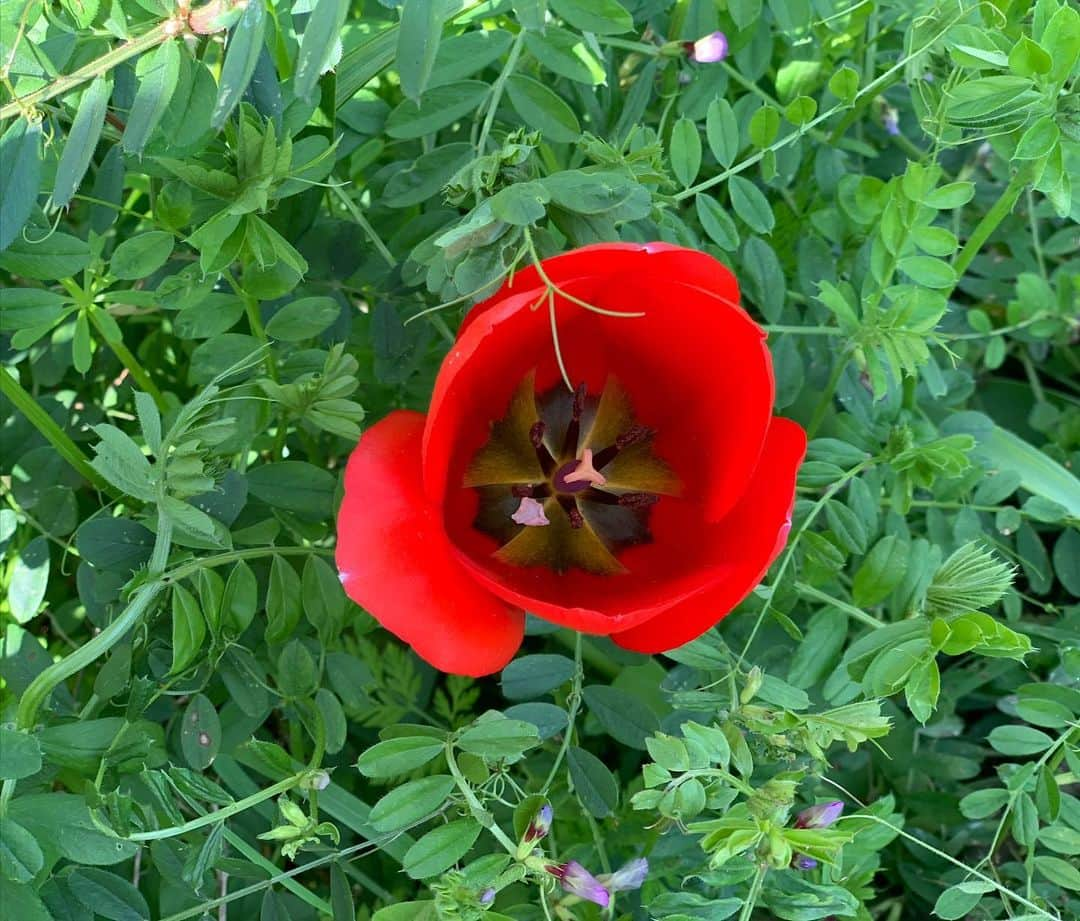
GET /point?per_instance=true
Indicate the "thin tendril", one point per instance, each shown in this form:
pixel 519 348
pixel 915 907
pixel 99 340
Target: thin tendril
pixel 555 341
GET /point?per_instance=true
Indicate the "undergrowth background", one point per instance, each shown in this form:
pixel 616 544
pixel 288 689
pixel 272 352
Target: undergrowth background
pixel 230 235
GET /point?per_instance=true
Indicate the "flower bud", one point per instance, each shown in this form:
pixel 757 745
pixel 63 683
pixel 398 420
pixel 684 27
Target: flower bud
pixel 709 48
pixel 537 830
pixel 576 880
pixel 821 816
pixel 487 896
pixel 802 862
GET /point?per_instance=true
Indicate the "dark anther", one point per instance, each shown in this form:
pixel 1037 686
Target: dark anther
pixel 638 500
pixel 572 512
pixel 536 436
pixel 529 492
pixel 573 430
pixel 634 435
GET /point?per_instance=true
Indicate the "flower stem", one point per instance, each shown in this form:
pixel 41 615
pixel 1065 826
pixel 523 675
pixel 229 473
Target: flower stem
pixel 95 68
pixel 752 896
pixel 827 395
pixel 226 812
pixel 574 699
pixel 485 818
pixel 365 225
pixel 1001 209
pixel 127 358
pixel 853 612
pixel 56 436
pixel 497 90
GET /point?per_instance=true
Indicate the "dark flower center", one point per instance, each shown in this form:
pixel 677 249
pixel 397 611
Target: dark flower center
pixel 568 479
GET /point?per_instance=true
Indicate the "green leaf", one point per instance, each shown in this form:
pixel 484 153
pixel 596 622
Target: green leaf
pixel 283 600
pixel 322 36
pixel 20 856
pixel 566 54
pixel 765 277
pixel 604 17
pixel 844 84
pixel 20 173
pixel 764 126
pixel 543 109
pixel 959 900
pixel 411 802
pixel 123 464
pixel 20 755
pixel 108 895
pixel 200 732
pixel 750 204
pixel 1038 140
pixel 880 572
pixel 29 580
pixel 438 108
pixel 716 222
pixel 64 820
pixel 188 629
pixel 1059 872
pixel 296 486
pixel 1019 740
pixel 58 255
pixel 296 670
pixel 440 849
pixel 158 72
pixel 722 131
pixel 928 271
pixel 685 151
pixel 81 142
pixel 242 50
pixel 594 784
pixel 1038 473
pixel 536 675
pixel 303 319
pixel 626 718
pixel 418 43
pixel 323 597
pixel 399 756
pixel 141 255
pixel 498 737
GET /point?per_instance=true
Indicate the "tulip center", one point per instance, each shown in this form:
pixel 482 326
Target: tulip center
pixel 567 480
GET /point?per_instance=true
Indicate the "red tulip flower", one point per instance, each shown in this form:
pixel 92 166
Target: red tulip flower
pixel 600 451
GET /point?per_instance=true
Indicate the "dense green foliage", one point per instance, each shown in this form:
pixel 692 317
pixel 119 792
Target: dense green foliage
pixel 229 235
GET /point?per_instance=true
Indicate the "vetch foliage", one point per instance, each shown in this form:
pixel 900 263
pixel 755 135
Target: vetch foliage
pixel 235 237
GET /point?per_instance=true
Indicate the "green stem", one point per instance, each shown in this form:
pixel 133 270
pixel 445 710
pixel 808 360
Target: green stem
pixel 752 895
pixel 223 559
pixel 804 330
pixel 226 812
pixel 853 612
pixel 827 395
pixel 574 699
pixel 128 360
pixel 56 436
pixel 104 64
pixel 497 90
pixel 365 225
pixel 481 815
pixel 1002 208
pixel 141 604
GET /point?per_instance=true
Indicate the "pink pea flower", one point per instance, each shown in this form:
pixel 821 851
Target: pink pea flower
pixel 708 49
pixel 576 880
pixel 821 816
pixel 629 876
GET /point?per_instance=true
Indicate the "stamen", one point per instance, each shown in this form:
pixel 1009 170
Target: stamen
pixel 530 513
pixel 638 500
pixel 573 430
pixel 634 435
pixel 536 437
pixel 585 472
pixel 569 506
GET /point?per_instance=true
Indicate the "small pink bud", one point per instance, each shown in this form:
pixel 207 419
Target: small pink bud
pixel 540 824
pixel 709 48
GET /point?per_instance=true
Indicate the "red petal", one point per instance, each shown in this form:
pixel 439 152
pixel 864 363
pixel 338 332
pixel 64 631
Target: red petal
pixel 396 562
pixel 752 536
pixel 618 260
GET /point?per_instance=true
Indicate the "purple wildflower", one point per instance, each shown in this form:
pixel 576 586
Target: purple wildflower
pixel 487 896
pixel 802 862
pixel 890 121
pixel 576 880
pixel 629 876
pixel 709 48
pixel 821 816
